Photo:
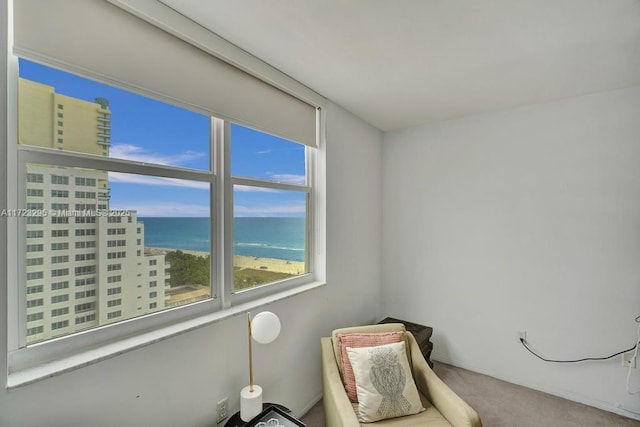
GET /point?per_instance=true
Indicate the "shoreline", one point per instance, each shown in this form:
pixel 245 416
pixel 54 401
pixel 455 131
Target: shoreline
pixel 243 261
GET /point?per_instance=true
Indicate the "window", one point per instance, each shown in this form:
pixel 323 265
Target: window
pixel 35 289
pixel 60 272
pixel 60 193
pixel 166 177
pixel 35 303
pixel 35 177
pixel 59 298
pixel 58 179
pixel 60 325
pixel 85 244
pixel 35 248
pixel 59 311
pixel 35 234
pixel 34 331
pixel 269 188
pixel 271 198
pixel 35 316
pixel 35 275
pixel 85 257
pixel 85 294
pixel 87 306
pixel 114 314
pixel 85 182
pixel 56 286
pixel 86 282
pixel 114 291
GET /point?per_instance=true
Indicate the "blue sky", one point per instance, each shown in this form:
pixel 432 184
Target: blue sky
pixel 146 130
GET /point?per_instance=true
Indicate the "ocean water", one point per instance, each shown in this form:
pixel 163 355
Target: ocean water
pixel 281 238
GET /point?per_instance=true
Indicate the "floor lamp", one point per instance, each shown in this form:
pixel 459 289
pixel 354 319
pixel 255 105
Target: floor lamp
pixel 263 328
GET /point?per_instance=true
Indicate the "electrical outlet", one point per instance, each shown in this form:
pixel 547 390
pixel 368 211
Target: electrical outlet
pixel 628 361
pixel 522 335
pixel 221 410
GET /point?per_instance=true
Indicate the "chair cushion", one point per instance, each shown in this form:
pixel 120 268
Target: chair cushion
pixel 357 340
pixel 429 417
pixel 384 382
pixel 366 329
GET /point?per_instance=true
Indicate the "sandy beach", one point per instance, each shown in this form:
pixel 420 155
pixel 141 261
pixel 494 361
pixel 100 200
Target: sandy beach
pixel 269 264
pixel 240 261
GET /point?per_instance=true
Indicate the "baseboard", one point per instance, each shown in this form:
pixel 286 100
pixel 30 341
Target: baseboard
pixel 565 394
pixel 310 405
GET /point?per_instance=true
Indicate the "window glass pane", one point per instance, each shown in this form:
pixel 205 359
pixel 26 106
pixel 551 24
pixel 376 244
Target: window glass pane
pixel 269 235
pixel 259 155
pixel 106 246
pixel 63 111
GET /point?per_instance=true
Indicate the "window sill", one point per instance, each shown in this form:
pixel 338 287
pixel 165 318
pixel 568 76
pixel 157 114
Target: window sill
pixel 34 374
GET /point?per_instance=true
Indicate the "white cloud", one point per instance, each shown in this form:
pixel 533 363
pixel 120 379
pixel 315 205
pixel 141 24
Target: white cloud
pixel 156 180
pixel 250 189
pixel 283 178
pixel 288 178
pixel 140 154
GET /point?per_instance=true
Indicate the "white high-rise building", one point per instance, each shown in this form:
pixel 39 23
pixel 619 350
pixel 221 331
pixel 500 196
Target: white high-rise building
pixel 85 265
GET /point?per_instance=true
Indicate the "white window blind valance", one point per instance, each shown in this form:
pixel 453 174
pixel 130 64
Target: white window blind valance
pixel 96 37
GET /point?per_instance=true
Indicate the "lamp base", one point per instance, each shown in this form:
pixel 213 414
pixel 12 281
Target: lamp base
pixel 250 402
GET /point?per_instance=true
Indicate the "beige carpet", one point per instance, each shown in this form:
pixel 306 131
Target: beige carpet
pixel 501 404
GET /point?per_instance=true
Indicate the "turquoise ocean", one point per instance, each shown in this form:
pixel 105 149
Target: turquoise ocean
pixel 281 238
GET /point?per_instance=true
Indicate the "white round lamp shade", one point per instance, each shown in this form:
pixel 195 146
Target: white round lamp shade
pixel 265 327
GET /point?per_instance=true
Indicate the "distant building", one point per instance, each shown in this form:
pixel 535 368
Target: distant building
pixel 83 269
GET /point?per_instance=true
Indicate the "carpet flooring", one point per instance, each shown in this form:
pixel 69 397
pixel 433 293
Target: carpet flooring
pixel 502 404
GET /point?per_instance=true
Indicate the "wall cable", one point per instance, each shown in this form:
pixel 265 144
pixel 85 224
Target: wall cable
pixel 584 359
pixel 635 355
pixel 525 344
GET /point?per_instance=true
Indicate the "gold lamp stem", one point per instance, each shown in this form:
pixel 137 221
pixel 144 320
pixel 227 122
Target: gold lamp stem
pixel 250 356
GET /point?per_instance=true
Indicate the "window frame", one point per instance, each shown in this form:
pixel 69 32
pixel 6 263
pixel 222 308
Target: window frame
pixel 245 295
pixel 223 302
pixel 23 355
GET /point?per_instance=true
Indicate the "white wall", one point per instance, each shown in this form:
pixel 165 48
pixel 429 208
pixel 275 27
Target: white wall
pixel 527 219
pixel 179 380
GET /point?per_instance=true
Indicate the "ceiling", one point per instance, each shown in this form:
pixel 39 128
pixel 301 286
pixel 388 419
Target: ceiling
pixel 401 63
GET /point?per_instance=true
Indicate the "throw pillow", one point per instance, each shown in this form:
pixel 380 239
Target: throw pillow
pixel 384 383
pixel 356 340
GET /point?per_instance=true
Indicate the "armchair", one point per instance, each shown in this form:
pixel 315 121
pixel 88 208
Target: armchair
pixel 442 406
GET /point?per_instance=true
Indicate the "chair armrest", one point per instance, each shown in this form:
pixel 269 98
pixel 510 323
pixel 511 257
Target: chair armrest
pixel 338 411
pixel 446 401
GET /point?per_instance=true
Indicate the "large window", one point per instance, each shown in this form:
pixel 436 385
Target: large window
pixel 122 209
pixel 159 179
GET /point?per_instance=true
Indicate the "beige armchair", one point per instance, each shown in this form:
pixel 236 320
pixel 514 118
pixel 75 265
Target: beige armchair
pixel 443 406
